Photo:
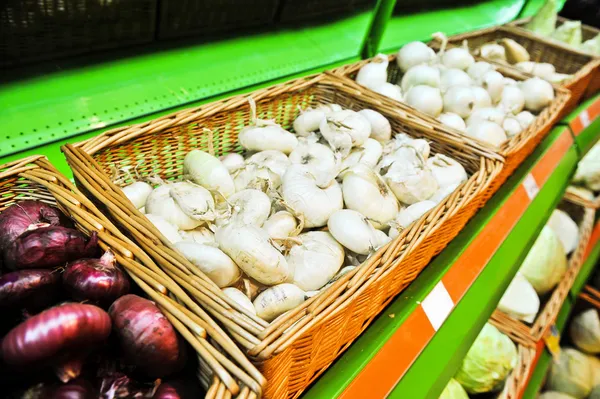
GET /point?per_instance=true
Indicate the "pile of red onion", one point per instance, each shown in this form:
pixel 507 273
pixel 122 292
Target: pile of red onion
pixel 61 291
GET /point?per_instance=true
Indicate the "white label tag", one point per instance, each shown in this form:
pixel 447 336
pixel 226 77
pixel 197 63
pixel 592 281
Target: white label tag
pixel 530 186
pixel 584 117
pixel 437 305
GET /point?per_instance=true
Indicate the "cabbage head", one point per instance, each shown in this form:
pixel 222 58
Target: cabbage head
pixel 454 391
pixel 554 395
pixel 588 169
pixel 572 374
pixel 585 331
pixel 546 263
pixel 544 21
pixel 595 365
pixel 595 393
pixel 569 32
pixel 489 361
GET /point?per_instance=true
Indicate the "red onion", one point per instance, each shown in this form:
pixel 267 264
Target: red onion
pixel 119 386
pixel 148 339
pixel 48 247
pixel 76 389
pixel 17 218
pixel 60 336
pixel 97 280
pixel 31 289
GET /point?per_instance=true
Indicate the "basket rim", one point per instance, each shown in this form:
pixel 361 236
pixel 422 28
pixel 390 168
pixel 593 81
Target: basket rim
pixel 37 170
pixel 316 308
pixel 509 147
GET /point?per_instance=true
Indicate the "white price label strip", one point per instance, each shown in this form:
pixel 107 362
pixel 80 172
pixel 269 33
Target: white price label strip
pixel 584 117
pixel 531 186
pixel 437 305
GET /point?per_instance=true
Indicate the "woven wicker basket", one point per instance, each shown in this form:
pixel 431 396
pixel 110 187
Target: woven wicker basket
pixel 587 33
pixel 574 196
pixel 517 380
pixel 294 349
pixel 36 178
pixel 530 335
pixel 514 150
pixel 33 30
pixel 582 66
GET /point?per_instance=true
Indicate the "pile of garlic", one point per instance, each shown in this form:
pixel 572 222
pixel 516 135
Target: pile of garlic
pixel 467 95
pixel 278 224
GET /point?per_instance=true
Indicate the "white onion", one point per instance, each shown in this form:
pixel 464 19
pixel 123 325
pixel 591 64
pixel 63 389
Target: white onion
pixel 453 120
pixel 137 192
pixel 211 261
pixel 414 53
pixel 381 129
pixel 308 121
pixel 488 132
pixel 275 301
pixel 232 161
pixel 525 118
pixel 161 203
pixel 318 158
pixel 167 229
pixel 447 171
pixel 240 298
pixel 352 229
pixel 389 90
pixel 250 207
pixel 374 73
pixel 457 58
pixel 454 77
pixel 420 75
pixel 410 214
pixel 207 171
pixel 425 99
pixel 493 82
pixel 486 114
pixel 538 94
pixel 478 69
pixel 280 224
pixel 345 129
pixel 459 100
pixel 512 127
pixel 482 97
pixel 410 183
pixel 512 100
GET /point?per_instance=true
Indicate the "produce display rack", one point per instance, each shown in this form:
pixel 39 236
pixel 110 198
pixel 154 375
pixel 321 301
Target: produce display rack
pixel 418 342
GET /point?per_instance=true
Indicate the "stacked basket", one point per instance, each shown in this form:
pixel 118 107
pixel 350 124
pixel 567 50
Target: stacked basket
pixel 296 348
pixel 35 178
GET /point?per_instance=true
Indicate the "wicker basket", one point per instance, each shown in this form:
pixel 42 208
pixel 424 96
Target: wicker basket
pixel 574 196
pixel 587 33
pixel 530 335
pixel 294 349
pixel 517 380
pixel 35 178
pixel 308 10
pixel 514 150
pixel 180 18
pixel 34 30
pixel 582 66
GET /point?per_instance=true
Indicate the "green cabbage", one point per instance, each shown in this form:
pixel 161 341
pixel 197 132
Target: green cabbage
pixel 555 395
pixel 595 365
pixel 520 300
pixel 546 263
pixel 454 391
pixel 489 361
pixel 588 169
pixel 544 21
pixel 592 46
pixel 585 331
pixel 572 374
pixel 569 32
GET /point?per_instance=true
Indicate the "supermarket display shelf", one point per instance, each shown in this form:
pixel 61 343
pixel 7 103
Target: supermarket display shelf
pixel 584 123
pixel 428 329
pixel 543 358
pixel 73 101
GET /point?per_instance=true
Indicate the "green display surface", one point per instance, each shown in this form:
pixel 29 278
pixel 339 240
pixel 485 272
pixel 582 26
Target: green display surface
pixel 584 122
pixel 440 359
pixel 65 104
pixel 450 21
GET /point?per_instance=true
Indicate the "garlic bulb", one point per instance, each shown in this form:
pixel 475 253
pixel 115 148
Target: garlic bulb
pixel 319 160
pixel 308 121
pixel 250 248
pixel 425 99
pixel 200 235
pixel 211 261
pixel 414 53
pixel 374 73
pixel 316 260
pixel 367 154
pixel 366 192
pixel 453 120
pixel 345 129
pixel 166 201
pixel 354 231
pixel 459 100
pixel 420 75
pixel 412 213
pixel 250 207
pixel 411 183
pixel 301 192
pixel 487 131
pixel 381 130
pixel 280 225
pixel 446 170
pixel 207 171
pixel 265 134
pixel 275 301
pixel 232 161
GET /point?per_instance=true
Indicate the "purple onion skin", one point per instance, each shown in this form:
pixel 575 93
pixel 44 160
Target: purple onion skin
pixel 32 289
pixel 17 218
pixel 178 389
pixel 60 336
pixel 147 338
pixel 76 389
pixel 118 385
pixel 49 247
pixel 96 280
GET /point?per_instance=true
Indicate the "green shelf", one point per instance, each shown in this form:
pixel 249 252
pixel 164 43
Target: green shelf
pixel 584 123
pixel 510 210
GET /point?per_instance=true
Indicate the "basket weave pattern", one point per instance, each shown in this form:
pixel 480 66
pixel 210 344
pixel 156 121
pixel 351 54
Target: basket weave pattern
pixel 530 335
pixel 35 178
pixel 327 323
pixel 514 150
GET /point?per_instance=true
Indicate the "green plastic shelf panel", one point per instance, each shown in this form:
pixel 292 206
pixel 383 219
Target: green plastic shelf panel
pixel 585 123
pixel 402 350
pixel 532 6
pixel 591 258
pixel 64 104
pixel 406 28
